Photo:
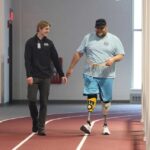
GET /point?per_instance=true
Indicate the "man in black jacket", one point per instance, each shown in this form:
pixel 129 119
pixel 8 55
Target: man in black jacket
pixel 39 52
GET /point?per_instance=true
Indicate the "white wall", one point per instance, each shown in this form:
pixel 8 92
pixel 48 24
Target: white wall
pixel 146 73
pixel 71 20
pixel 1 46
pixel 5 5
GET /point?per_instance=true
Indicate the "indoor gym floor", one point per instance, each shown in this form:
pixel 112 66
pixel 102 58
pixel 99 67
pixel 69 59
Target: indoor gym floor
pixel 63 128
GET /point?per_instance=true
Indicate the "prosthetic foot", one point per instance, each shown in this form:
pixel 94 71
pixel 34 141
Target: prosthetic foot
pixel 106 130
pixel 86 128
pixel 106 107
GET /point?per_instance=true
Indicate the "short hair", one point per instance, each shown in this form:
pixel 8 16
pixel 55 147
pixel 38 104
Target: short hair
pixel 42 24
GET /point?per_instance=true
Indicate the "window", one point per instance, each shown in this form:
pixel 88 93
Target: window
pixel 137 44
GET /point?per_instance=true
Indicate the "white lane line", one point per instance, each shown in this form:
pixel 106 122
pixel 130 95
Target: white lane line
pixel 86 135
pixel 32 134
pixel 22 142
pixel 80 145
pixel 22 117
pixel 5 120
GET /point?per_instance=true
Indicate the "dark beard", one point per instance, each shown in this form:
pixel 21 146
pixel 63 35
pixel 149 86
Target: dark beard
pixel 101 36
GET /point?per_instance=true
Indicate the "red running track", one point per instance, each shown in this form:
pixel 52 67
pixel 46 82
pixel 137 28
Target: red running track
pixel 63 133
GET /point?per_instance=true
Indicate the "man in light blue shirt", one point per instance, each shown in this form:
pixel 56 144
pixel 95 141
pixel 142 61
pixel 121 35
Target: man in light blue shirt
pixel 102 50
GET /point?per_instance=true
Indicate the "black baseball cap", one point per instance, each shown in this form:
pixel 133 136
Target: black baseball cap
pixel 100 23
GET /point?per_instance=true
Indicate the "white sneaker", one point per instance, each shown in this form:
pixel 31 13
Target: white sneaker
pixel 86 128
pixel 106 130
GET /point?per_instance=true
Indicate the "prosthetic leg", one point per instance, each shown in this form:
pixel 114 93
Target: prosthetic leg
pixel 105 107
pixel 91 104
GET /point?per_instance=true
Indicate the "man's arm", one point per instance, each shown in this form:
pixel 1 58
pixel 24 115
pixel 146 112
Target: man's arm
pixel 75 59
pixel 27 57
pixel 55 59
pixel 114 59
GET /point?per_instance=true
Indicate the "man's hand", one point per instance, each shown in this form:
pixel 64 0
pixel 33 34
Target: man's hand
pixel 69 72
pixel 64 80
pixel 109 62
pixel 29 80
pixel 114 59
pixel 76 57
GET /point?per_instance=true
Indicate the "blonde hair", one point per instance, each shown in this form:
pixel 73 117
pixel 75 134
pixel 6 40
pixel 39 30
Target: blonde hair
pixel 42 24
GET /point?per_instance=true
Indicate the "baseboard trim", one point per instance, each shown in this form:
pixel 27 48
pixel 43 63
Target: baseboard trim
pixel 14 102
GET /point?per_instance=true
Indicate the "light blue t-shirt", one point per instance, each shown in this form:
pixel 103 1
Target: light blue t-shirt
pixel 99 50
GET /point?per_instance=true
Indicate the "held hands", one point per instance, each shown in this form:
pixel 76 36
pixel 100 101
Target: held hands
pixel 29 80
pixel 64 80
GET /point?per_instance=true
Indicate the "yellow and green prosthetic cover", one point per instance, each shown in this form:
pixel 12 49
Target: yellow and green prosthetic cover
pixel 91 104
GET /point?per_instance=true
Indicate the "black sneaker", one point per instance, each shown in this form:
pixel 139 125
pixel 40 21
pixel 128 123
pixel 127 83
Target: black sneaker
pixel 34 128
pixel 41 133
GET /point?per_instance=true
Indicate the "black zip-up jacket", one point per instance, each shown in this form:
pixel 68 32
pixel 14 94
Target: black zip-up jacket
pixel 38 56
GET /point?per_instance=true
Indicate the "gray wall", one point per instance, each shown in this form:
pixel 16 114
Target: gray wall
pixel 4 73
pixel 71 20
